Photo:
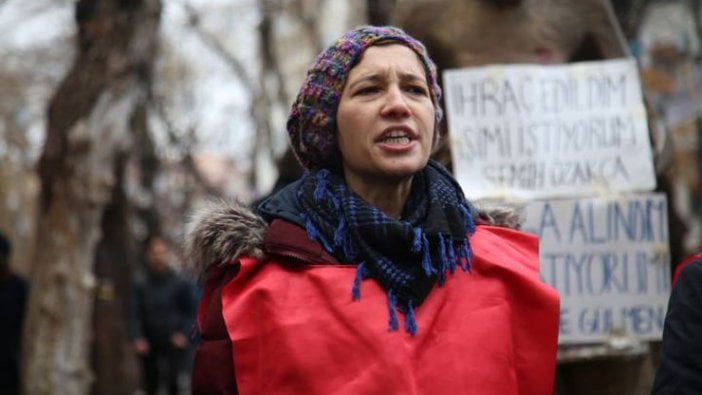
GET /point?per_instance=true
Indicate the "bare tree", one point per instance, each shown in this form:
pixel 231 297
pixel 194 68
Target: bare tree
pixel 289 34
pixel 112 356
pixel 17 180
pixel 28 75
pixel 380 11
pixel 89 128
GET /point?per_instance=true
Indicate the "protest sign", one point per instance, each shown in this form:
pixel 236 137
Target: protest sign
pixel 609 259
pixel 534 131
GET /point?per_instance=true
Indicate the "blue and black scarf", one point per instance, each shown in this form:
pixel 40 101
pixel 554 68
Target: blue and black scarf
pixel 406 256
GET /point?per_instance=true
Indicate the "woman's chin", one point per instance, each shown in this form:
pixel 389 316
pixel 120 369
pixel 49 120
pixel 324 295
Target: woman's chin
pixel 401 171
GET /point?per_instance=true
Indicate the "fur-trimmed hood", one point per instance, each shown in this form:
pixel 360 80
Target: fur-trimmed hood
pixel 221 232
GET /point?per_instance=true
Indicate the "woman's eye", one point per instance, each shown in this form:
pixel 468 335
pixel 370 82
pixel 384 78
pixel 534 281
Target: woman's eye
pixel 417 90
pixel 368 90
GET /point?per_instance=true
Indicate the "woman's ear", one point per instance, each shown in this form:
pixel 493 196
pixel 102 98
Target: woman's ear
pixel 441 152
pixel 437 139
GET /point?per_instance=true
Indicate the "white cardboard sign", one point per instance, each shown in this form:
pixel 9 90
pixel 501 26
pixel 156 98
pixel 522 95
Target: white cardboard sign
pixel 534 131
pixel 609 259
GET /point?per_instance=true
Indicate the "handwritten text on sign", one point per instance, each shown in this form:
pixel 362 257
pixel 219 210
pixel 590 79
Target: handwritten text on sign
pixel 609 260
pixel 532 131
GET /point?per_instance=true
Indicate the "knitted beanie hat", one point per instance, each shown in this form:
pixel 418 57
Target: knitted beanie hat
pixel 312 121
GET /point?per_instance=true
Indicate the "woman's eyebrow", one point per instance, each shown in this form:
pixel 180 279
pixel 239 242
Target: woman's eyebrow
pixel 412 77
pixel 382 76
pixel 375 77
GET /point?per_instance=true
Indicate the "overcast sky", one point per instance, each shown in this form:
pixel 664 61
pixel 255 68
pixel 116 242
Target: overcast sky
pixel 217 106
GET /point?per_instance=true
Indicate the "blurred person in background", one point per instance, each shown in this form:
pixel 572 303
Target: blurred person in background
pixel 162 313
pixel 680 368
pixel 13 299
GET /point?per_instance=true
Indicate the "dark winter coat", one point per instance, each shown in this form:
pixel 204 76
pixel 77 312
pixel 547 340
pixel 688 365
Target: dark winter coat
pixel 162 304
pixel 276 317
pixel 13 300
pixel 680 369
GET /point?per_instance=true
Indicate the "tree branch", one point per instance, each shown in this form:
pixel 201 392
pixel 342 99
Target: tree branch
pixel 216 46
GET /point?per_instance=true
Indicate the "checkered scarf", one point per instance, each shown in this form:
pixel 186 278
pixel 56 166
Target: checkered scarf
pixel 406 256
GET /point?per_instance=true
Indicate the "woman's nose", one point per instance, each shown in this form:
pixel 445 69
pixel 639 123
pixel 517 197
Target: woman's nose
pixel 395 103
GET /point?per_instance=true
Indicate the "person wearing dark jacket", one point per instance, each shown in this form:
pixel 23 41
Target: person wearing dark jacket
pixel 680 368
pixel 372 274
pixel 162 315
pixel 13 300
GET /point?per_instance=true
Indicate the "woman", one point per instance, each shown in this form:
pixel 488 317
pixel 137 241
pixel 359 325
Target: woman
pixel 448 306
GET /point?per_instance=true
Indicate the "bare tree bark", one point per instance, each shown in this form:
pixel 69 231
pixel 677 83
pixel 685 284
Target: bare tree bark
pixel 88 130
pixel 629 14
pixel 380 12
pixel 113 357
pixel 184 142
pixel 306 12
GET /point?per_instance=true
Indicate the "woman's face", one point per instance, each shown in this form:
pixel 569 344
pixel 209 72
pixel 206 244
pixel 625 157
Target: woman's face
pixel 385 118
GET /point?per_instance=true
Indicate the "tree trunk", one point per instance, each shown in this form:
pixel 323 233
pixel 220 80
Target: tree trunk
pixel 380 11
pixel 88 130
pixel 113 357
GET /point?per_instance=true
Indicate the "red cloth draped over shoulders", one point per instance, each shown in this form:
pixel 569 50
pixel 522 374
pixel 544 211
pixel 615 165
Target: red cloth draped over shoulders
pixel 294 329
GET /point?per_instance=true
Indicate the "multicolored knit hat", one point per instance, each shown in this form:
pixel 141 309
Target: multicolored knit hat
pixel 312 121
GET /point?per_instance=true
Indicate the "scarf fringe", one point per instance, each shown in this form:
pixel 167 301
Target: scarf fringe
pixel 340 234
pixel 314 234
pixel 417 240
pixel 464 256
pixel 310 228
pixel 465 253
pixel 443 261
pixel 468 220
pixel 449 250
pixel 356 288
pixel 393 324
pixel 322 184
pixel 410 319
pixel 429 269
pixel 451 255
